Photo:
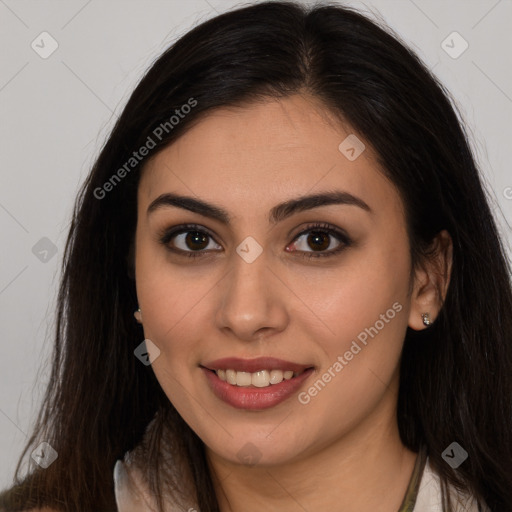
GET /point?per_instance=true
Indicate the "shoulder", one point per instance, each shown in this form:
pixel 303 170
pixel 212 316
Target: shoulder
pixel 133 493
pixel 131 490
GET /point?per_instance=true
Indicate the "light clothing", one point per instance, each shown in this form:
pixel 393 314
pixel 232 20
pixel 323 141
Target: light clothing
pixel 429 496
pixel 132 493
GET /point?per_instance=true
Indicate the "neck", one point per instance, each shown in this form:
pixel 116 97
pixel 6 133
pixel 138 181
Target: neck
pixel 366 469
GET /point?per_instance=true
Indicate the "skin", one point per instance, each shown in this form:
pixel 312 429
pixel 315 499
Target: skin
pixel 340 451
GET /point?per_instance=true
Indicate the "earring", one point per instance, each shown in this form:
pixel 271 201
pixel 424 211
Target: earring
pixel 426 318
pixel 138 316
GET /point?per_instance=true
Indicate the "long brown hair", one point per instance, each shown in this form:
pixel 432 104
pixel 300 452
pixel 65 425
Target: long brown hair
pixel 456 377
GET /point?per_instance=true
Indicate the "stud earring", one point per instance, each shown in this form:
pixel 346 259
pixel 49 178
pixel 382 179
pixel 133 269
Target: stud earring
pixel 138 316
pixel 426 319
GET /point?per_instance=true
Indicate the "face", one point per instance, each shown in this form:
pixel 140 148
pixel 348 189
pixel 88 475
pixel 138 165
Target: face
pixel 315 290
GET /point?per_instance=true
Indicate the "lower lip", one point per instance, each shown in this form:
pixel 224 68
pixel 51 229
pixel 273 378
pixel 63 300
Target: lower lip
pixel 254 398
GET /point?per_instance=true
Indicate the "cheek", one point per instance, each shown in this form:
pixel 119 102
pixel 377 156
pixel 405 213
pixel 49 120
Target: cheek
pixel 166 293
pixel 174 322
pixel 171 302
pixel 363 311
pixel 355 295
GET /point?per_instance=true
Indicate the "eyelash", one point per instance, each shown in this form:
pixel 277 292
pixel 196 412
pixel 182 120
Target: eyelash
pixel 321 227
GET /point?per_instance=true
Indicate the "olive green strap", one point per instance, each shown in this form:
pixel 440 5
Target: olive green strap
pixel 411 494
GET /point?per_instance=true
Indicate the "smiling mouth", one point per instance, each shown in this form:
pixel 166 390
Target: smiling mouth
pixel 259 379
pixel 255 384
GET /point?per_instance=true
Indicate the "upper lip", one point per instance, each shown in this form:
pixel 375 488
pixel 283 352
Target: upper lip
pixel 254 365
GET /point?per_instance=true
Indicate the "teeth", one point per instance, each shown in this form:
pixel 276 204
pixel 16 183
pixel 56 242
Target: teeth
pixel 260 379
pixel 243 379
pixel 276 376
pixel 230 377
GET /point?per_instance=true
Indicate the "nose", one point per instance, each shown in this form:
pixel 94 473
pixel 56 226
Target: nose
pixel 253 300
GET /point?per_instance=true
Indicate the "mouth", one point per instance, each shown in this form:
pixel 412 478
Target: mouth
pixel 255 383
pixel 259 379
pixel 260 372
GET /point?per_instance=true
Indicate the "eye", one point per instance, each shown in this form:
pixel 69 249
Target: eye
pixel 191 240
pixel 319 238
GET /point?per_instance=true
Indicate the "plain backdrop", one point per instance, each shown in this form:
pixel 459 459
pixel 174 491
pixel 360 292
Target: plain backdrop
pixel 56 112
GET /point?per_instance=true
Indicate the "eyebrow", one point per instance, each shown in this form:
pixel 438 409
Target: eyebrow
pixel 277 213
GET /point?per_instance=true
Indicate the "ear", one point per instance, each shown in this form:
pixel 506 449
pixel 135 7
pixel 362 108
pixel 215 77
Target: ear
pixel 138 316
pixel 431 281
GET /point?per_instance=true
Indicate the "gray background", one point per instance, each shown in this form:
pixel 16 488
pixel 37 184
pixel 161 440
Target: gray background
pixel 56 112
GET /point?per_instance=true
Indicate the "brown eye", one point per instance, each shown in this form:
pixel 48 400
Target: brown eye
pixel 318 240
pixel 196 240
pixel 326 241
pixel 315 240
pixel 188 240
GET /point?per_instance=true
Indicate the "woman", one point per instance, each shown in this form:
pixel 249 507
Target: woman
pixel 283 288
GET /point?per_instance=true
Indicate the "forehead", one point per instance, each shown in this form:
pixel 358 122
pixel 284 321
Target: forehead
pixel 252 155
